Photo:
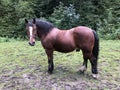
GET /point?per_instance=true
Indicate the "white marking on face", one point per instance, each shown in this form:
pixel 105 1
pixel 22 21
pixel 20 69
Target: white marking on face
pixel 31 31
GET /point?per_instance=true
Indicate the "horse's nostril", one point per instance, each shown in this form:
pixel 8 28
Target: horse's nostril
pixel 29 43
pixel 32 44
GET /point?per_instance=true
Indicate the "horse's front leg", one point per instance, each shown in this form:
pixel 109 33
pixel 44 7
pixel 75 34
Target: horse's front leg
pixel 50 60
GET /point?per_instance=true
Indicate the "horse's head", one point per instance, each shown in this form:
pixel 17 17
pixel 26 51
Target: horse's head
pixel 31 31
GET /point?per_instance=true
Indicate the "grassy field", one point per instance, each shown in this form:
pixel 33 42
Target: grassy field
pixel 25 68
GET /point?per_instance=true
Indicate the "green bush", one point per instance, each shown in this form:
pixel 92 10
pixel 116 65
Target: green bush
pixel 12 16
pixel 108 31
pixel 65 17
pixel 4 39
pixel 117 33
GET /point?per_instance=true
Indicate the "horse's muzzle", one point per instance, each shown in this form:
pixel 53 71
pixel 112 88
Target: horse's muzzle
pixel 32 44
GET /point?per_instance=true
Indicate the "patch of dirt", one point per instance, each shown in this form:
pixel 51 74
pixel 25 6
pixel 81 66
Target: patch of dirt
pixel 61 79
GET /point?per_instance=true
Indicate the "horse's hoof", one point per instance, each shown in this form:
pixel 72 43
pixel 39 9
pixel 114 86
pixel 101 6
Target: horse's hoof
pixel 77 50
pixel 95 76
pixel 50 72
pixel 82 69
pixel 81 72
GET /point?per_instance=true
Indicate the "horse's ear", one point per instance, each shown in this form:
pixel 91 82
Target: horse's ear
pixel 34 20
pixel 26 21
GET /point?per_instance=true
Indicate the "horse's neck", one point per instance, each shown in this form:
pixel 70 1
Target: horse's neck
pixel 54 32
pixel 40 35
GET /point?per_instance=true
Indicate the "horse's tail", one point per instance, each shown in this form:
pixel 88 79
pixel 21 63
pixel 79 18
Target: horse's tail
pixel 96 45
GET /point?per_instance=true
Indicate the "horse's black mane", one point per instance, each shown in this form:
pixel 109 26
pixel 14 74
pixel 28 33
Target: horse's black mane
pixel 44 26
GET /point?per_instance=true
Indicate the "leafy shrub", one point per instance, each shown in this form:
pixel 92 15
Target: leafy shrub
pixel 109 27
pixel 108 31
pixel 117 33
pixel 4 39
pixel 12 18
pixel 65 17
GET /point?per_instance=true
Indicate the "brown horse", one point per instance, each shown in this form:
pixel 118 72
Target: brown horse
pixel 53 39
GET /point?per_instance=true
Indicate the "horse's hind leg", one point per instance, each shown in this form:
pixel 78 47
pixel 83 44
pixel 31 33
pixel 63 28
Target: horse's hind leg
pixel 84 66
pixel 50 61
pixel 93 62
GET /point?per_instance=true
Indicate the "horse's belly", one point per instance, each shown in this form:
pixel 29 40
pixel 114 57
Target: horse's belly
pixel 64 42
pixel 64 48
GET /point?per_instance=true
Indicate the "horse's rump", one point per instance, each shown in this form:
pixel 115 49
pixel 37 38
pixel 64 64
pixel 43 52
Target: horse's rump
pixel 84 38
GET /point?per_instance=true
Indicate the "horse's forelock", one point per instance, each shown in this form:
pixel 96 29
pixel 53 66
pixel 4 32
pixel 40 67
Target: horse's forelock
pixel 29 22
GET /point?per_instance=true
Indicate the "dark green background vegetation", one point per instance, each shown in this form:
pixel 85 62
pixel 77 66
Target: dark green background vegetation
pixel 100 15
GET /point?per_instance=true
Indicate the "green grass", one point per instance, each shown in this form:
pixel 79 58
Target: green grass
pixel 19 58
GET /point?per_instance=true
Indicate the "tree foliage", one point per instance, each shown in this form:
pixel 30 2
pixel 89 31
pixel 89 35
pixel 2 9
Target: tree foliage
pixel 100 15
pixel 65 17
pixel 12 17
